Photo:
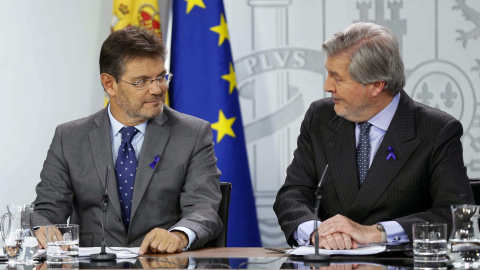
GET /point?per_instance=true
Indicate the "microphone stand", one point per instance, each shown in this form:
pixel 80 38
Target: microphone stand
pixel 323 259
pixel 316 257
pixel 103 255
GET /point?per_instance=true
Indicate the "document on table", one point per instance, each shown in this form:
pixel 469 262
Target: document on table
pixel 122 252
pixel 361 250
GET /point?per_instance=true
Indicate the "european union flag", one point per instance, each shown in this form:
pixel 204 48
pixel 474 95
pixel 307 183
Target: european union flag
pixel 204 85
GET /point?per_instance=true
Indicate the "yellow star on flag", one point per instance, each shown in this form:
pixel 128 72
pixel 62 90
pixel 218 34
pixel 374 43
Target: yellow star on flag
pixel 194 3
pixel 223 126
pixel 231 78
pixel 221 30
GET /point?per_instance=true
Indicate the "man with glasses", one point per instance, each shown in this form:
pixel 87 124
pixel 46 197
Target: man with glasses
pixel 164 183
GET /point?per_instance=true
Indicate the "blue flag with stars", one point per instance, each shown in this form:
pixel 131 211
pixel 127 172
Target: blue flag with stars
pixel 204 86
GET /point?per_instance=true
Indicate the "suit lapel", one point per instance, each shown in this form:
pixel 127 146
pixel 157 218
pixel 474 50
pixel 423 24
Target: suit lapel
pixel 101 146
pixel 156 138
pixel 401 136
pixel 340 150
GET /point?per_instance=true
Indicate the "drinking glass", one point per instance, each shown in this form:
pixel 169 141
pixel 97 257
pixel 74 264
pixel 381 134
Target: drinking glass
pixel 62 243
pixel 430 242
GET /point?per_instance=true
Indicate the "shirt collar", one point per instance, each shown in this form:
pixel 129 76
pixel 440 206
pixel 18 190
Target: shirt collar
pixel 116 126
pixel 383 119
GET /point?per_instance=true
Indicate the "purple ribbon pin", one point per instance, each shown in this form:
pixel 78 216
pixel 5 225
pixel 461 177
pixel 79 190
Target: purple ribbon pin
pixel 155 161
pixel 391 154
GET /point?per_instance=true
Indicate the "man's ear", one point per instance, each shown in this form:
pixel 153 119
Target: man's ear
pixel 109 83
pixel 377 88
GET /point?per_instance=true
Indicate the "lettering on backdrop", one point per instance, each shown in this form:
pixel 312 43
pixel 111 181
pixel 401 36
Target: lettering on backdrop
pixel 286 58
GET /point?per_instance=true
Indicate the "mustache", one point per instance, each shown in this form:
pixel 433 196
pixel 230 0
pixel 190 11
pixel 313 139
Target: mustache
pixel 157 97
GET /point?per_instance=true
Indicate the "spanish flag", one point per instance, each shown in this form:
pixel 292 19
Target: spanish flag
pixel 136 12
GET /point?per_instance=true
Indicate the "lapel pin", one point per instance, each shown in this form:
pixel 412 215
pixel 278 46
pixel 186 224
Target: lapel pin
pixel 391 154
pixel 155 161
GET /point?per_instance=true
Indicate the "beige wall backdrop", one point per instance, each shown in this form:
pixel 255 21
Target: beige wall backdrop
pixel 49 75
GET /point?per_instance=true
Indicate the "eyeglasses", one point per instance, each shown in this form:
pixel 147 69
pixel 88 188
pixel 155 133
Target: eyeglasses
pixel 144 84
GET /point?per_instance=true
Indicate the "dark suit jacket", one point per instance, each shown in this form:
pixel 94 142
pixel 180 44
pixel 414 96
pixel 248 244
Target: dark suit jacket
pixel 427 176
pixel 182 190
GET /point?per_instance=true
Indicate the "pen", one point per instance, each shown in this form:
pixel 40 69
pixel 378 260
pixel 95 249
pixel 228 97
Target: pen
pixel 275 249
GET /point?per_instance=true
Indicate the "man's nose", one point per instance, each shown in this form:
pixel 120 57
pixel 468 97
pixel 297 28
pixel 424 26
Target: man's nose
pixel 156 89
pixel 329 85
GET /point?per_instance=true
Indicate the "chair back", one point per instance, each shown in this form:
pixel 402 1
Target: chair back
pixel 221 240
pixel 475 184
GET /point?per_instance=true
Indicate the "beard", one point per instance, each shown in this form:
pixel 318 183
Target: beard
pixel 353 111
pixel 136 112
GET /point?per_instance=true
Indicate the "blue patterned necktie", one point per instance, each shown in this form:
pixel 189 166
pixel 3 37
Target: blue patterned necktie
pixel 363 151
pixel 126 168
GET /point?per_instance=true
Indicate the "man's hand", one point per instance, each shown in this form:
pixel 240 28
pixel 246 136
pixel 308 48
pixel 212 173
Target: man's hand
pixel 41 235
pixel 335 241
pixel 340 232
pixel 337 267
pixel 162 241
pixel 166 262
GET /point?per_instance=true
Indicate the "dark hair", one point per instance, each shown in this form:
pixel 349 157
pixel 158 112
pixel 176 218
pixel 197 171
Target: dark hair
pixel 126 44
pixel 375 54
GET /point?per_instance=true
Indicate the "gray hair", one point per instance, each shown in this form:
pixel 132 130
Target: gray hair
pixel 374 52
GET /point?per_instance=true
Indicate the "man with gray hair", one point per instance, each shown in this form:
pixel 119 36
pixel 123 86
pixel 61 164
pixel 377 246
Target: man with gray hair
pixel 392 161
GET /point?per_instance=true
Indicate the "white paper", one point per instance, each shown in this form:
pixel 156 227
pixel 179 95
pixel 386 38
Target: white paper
pixel 361 250
pixel 122 252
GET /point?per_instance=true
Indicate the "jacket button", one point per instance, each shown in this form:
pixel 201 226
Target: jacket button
pixel 119 219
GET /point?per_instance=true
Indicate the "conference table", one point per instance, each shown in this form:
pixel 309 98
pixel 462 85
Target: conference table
pixel 247 258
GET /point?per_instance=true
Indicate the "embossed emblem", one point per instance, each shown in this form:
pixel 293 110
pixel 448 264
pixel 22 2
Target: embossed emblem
pixel 470 15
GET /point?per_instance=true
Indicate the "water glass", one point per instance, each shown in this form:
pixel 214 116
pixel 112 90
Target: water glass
pixel 464 242
pixel 430 242
pixel 62 243
pixel 20 244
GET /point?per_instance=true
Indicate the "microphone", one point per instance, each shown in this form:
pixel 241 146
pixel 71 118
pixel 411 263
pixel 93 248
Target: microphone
pixel 104 256
pixel 318 197
pixel 319 187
